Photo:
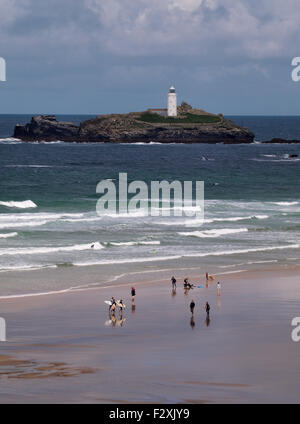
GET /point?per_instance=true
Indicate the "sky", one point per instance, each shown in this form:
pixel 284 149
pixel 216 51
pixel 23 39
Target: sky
pixel 103 56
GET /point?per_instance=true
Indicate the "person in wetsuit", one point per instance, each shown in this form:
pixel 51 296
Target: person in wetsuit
pixel 173 280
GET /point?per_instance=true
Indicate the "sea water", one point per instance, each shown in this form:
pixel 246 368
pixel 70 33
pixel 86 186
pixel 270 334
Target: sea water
pixel 48 199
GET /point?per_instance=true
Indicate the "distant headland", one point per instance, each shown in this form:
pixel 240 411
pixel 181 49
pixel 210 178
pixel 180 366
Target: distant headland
pixel 175 124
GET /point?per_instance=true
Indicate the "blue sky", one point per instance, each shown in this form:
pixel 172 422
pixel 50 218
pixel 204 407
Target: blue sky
pixel 103 56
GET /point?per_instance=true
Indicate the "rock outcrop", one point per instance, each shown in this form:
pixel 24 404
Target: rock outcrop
pixel 191 126
pixel 47 128
pixel 282 141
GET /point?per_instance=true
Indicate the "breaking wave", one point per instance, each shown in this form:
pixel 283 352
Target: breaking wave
pixel 8 235
pixel 214 233
pixel 26 204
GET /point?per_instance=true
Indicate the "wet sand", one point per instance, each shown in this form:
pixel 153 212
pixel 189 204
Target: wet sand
pixel 64 348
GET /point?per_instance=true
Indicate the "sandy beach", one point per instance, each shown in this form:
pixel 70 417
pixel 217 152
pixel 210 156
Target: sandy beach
pixel 63 348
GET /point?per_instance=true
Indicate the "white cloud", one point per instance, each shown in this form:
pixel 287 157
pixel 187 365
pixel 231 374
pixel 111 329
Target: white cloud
pixel 11 10
pixel 257 29
pixel 193 26
pixel 186 5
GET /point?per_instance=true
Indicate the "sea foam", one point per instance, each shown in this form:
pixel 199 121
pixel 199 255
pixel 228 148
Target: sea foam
pixel 214 233
pixel 26 204
pixel 44 250
pixel 8 235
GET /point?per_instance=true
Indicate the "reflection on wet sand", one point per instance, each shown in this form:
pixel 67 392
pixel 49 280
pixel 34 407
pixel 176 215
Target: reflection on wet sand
pixel 207 320
pixel 192 322
pixel 173 292
pixel 115 321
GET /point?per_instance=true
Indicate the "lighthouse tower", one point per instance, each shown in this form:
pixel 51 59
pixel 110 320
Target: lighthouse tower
pixel 172 102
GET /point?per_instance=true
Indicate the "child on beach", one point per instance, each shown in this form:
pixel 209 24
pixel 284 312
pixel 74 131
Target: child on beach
pixel 219 288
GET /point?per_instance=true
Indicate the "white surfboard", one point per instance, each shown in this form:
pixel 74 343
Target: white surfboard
pixel 108 302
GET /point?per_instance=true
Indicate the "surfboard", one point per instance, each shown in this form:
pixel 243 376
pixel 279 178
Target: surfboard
pixel 121 305
pixel 211 278
pixel 108 302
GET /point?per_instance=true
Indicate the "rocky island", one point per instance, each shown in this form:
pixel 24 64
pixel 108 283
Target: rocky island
pixel 190 125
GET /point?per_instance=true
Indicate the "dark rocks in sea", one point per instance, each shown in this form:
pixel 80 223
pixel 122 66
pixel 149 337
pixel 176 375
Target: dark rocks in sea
pixel 282 141
pixel 46 127
pixel 194 126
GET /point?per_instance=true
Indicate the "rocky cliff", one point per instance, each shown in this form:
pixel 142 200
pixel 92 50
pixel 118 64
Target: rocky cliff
pixel 191 126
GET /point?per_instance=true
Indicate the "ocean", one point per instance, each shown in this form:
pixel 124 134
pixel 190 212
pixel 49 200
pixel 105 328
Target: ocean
pixel 48 201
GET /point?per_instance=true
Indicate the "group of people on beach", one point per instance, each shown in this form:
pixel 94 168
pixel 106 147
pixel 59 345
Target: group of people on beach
pixel 120 304
pixel 114 304
pixel 187 286
pixel 206 307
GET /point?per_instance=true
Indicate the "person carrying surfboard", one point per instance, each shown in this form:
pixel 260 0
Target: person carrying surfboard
pixel 113 304
pixel 121 305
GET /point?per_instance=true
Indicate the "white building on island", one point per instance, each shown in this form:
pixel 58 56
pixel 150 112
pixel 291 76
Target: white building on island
pixel 172 105
pixel 172 102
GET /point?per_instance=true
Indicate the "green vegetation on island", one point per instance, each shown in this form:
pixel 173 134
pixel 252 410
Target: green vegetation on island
pixel 185 118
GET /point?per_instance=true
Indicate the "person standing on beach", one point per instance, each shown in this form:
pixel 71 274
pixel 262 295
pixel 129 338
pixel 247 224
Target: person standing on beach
pixel 207 308
pixel 132 293
pixel 173 280
pixel 207 278
pixel 192 307
pixel 219 288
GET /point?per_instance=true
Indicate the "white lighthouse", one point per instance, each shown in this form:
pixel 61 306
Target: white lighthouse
pixel 172 102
